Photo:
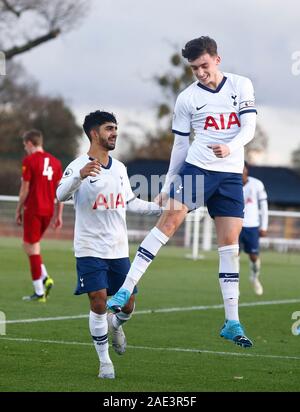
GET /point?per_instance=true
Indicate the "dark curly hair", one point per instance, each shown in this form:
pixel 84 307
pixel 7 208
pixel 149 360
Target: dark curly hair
pixel 196 47
pixel 96 119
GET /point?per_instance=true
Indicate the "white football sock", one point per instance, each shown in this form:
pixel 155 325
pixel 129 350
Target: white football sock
pixel 120 318
pixel 229 279
pixel 98 328
pixel 38 287
pixel 44 272
pixel 144 256
pixel 255 269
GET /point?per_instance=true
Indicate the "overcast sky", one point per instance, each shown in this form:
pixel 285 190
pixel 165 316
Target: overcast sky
pixel 109 61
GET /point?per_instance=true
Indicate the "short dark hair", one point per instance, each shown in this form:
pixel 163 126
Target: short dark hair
pixel 34 136
pixel 96 119
pixel 196 47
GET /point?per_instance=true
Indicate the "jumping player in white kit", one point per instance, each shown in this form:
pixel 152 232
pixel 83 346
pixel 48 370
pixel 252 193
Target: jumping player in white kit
pixel 220 110
pixel 101 190
pixel 255 224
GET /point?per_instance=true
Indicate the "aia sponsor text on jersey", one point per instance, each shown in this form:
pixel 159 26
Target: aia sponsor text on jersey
pixel 109 201
pixel 222 121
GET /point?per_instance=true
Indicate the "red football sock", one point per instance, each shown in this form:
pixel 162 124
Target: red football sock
pixel 35 266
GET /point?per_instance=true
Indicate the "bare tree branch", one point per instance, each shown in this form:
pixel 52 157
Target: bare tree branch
pixel 9 54
pixel 16 7
pixel 25 24
pixel 10 8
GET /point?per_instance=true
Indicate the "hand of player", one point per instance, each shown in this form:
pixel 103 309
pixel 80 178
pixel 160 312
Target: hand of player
pixel 262 233
pixel 58 223
pixel 92 168
pixel 220 150
pixel 161 199
pixel 18 218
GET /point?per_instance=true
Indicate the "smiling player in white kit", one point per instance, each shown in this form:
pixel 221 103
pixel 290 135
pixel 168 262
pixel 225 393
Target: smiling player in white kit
pixel 101 190
pixel 220 109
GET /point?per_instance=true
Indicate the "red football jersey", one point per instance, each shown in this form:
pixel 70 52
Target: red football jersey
pixel 43 171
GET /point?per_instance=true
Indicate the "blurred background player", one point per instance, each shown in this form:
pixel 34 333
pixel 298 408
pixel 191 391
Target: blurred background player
pixel 41 173
pixel 255 224
pixel 101 190
pixel 220 108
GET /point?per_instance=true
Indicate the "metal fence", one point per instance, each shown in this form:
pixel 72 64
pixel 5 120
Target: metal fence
pixel 196 233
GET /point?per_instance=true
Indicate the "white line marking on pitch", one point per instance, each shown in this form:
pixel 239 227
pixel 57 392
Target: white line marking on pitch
pixel 210 352
pixel 153 311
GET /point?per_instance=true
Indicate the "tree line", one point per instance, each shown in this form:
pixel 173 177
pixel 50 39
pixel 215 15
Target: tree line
pixel 22 106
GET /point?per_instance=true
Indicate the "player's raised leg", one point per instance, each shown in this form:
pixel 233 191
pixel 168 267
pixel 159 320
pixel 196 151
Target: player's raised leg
pixel 167 225
pixel 228 229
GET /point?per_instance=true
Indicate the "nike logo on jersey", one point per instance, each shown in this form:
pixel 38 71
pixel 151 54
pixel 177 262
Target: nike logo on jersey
pixel 201 107
pixel 93 181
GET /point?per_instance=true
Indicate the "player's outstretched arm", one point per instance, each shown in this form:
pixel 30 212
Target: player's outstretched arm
pixel 136 205
pixel 178 155
pixel 143 207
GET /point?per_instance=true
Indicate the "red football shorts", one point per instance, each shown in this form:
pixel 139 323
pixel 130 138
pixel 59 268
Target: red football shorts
pixel 34 227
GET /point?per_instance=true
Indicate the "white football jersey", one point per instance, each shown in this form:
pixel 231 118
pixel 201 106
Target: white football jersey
pixel 214 116
pixel 100 204
pixel 254 193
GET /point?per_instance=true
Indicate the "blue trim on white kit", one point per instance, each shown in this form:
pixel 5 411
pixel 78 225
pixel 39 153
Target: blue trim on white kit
pixel 213 90
pixel 248 111
pixel 180 133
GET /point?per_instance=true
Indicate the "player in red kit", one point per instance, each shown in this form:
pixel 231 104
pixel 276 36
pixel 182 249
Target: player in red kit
pixel 41 173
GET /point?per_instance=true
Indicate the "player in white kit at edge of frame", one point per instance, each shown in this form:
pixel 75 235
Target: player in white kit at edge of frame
pixel 255 225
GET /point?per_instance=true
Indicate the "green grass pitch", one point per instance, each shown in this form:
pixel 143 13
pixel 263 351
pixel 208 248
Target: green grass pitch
pixel 170 351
